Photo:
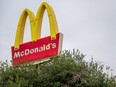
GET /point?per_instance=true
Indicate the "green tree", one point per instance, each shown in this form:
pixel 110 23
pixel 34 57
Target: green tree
pixel 69 69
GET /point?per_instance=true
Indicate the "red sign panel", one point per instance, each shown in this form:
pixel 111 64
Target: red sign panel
pixel 39 50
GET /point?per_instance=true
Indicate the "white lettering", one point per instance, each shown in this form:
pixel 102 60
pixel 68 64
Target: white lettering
pixel 22 53
pixel 48 47
pixel 54 45
pixel 34 50
pixel 40 49
pixel 17 54
pixel 26 51
pixel 31 51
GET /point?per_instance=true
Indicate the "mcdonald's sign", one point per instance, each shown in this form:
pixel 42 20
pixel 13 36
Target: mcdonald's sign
pixel 38 48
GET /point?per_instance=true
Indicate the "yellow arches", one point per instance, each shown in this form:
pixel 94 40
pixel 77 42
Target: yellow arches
pixel 52 20
pixel 35 24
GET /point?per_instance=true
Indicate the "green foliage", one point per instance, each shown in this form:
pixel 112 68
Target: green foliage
pixel 69 69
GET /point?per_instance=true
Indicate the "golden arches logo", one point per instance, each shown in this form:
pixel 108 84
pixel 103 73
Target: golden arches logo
pixel 35 24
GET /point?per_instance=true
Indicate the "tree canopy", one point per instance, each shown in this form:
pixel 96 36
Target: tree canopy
pixel 69 69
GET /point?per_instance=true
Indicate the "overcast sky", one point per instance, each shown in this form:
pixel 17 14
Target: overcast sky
pixel 87 25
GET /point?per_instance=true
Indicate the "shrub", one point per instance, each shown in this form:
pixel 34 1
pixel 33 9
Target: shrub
pixel 69 69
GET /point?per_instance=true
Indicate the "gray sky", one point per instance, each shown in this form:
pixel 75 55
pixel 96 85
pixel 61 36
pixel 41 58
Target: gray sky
pixel 87 25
